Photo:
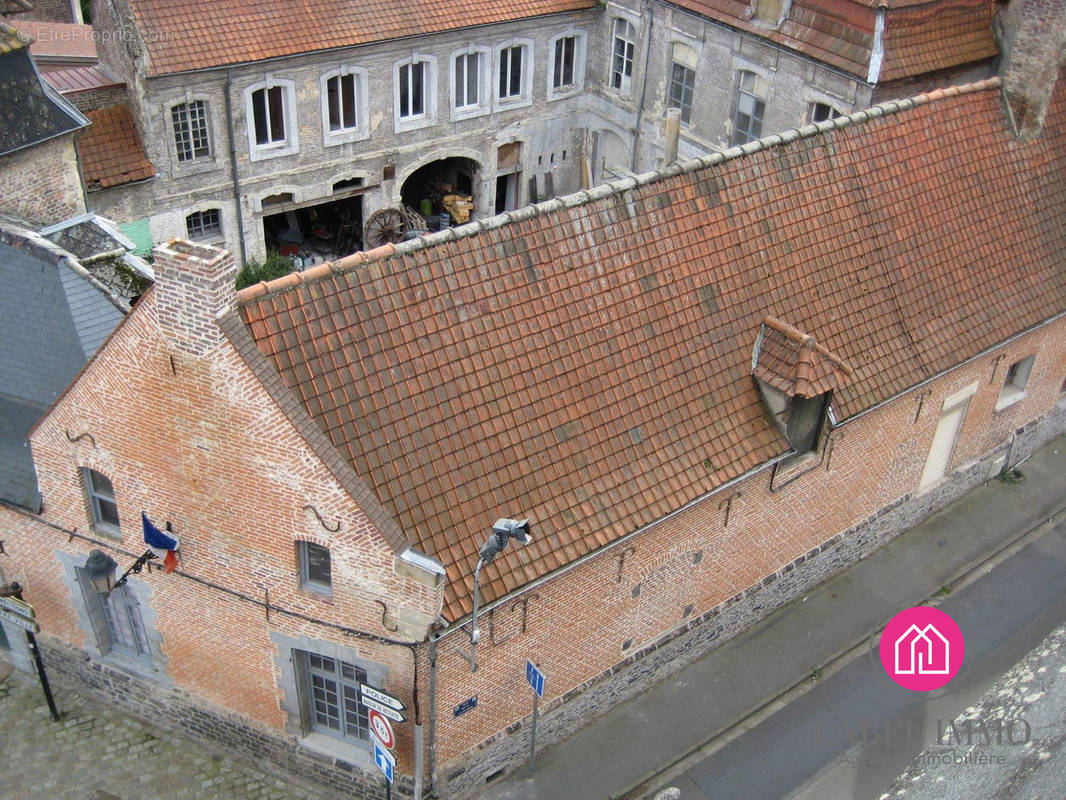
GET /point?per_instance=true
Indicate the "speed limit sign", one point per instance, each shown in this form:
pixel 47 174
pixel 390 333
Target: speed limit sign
pixel 381 729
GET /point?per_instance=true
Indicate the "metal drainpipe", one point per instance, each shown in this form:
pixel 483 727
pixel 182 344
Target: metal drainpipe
pixel 233 167
pixel 643 90
pixel 432 716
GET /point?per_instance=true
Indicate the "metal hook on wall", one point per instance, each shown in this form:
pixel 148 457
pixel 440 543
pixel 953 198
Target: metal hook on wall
pixel 79 437
pixel 321 521
pixel 921 398
pixel 384 614
pixel 622 561
pixel 728 503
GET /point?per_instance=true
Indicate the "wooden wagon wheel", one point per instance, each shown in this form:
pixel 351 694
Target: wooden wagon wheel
pixel 385 225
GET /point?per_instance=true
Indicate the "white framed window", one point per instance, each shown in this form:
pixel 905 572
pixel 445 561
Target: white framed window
pixel 623 46
pixel 415 82
pixel 470 82
pixel 344 105
pixel 1014 383
pixel 270 107
pixel 819 112
pixel 103 510
pixel 750 108
pixel 682 80
pixel 566 72
pixel 192 138
pixel 514 74
pixel 204 225
pixel 315 570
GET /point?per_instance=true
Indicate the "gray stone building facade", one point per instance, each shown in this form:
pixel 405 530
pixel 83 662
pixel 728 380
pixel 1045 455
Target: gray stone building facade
pixel 297 152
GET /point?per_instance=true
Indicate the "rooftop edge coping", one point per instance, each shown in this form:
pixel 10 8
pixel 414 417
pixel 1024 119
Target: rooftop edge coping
pixel 263 289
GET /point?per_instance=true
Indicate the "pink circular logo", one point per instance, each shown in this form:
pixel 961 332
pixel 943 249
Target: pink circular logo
pixel 922 648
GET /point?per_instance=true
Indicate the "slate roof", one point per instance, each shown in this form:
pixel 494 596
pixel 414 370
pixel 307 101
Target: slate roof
pixel 53 317
pixel 31 111
pixel 920 35
pixel 188 35
pixel 111 151
pixel 586 362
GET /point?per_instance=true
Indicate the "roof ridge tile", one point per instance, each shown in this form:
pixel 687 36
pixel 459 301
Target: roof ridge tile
pixel 629 183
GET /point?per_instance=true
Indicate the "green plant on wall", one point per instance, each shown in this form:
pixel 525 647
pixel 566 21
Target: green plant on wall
pixel 253 272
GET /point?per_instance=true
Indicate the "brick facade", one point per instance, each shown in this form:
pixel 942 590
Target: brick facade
pixel 197 442
pixel 42 183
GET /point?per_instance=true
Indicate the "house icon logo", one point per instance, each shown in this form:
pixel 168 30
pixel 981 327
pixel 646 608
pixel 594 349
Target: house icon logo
pixel 922 648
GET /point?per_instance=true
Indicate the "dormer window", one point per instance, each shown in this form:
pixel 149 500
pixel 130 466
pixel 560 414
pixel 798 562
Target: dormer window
pixel 796 378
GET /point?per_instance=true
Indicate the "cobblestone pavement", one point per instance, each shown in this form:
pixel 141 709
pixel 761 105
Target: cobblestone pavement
pixel 97 756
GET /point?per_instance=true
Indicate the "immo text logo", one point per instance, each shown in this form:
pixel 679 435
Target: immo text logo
pixel 922 648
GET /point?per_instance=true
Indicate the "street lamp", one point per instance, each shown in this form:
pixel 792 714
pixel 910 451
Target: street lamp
pixel 100 568
pixel 502 531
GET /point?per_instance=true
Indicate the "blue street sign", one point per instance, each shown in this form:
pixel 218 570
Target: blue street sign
pixel 386 763
pixel 535 678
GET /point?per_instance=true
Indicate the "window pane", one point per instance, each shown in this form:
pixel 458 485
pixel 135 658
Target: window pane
pixel 505 60
pixel 316 568
pixel 101 484
pixel 333 102
pixel 516 72
pixel 417 96
pixel 349 117
pixel 108 512
pixel 472 68
pixel 277 115
pixel 460 81
pixel 259 114
pixel 405 90
pixel 182 145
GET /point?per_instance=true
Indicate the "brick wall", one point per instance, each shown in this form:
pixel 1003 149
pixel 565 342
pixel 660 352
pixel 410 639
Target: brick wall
pixel 41 183
pixel 667 596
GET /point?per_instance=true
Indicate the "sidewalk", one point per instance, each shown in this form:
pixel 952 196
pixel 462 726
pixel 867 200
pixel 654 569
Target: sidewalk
pixel 761 669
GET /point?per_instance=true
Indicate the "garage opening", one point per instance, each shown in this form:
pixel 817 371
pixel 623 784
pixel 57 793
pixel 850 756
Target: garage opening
pixel 313 233
pixel 442 191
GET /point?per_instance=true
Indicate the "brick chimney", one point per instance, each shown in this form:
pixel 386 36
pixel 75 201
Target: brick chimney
pixel 194 283
pixel 1032 40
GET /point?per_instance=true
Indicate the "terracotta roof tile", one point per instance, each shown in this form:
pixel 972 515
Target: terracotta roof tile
pixel 790 360
pixel 110 151
pixel 534 363
pixel 187 35
pixel 931 38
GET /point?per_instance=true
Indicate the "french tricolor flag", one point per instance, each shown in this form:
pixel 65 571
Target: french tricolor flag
pixel 163 543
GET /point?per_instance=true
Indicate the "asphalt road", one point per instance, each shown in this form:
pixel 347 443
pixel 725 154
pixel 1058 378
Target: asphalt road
pixel 856 730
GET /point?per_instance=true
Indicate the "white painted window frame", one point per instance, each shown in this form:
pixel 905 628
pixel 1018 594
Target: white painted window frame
pixel 428 117
pixel 525 98
pixel 484 101
pixel 626 89
pixel 291 144
pixel 580 48
pixel 361 130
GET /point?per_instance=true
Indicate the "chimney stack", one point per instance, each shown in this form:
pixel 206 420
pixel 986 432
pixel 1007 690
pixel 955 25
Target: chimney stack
pixel 194 283
pixel 1032 41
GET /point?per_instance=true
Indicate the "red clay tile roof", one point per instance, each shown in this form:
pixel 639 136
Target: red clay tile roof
pixel 110 151
pixel 588 363
pixel 920 35
pixel 937 36
pixel 790 360
pixel 59 40
pixel 187 34
pixel 70 80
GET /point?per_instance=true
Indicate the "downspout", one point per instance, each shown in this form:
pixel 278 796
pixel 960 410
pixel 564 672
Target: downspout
pixel 877 52
pixel 433 717
pixel 233 166
pixel 643 89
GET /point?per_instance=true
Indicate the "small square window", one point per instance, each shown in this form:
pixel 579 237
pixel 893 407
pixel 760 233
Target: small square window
pixel 314 567
pixel 202 225
pixel 102 505
pixel 1015 382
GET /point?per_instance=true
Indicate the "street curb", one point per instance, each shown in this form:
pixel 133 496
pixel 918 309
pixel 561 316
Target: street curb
pixel 747 720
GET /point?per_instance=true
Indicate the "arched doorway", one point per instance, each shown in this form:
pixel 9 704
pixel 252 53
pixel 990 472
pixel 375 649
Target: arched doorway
pixel 445 186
